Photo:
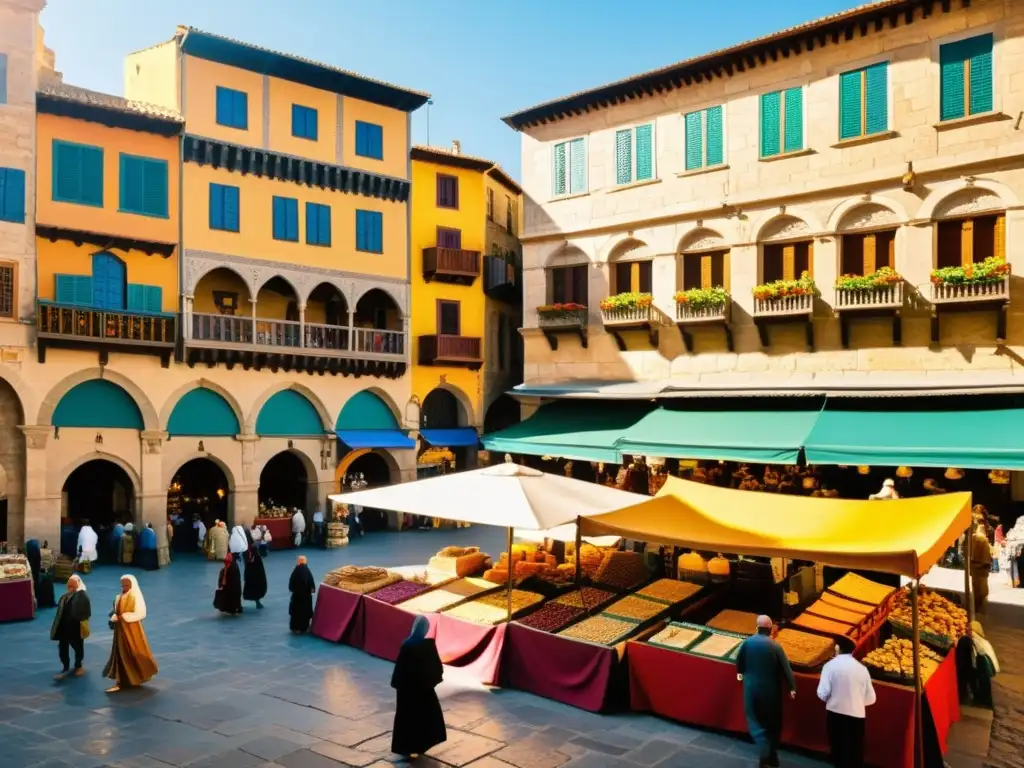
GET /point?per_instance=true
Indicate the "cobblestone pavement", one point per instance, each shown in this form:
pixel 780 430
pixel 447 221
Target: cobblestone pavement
pixel 245 693
pixel 1004 628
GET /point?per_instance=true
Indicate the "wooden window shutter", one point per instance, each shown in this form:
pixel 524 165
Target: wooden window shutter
pixel 850 107
pixel 789 262
pixel 725 271
pixel 1000 237
pixel 705 271
pixel 967 242
pixel 979 67
pixel 810 259
pixel 869 254
pixel 876 98
pixel 892 250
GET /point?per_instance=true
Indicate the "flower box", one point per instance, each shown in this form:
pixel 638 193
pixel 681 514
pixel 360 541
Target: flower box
pixel 569 314
pixel 986 281
pixel 702 305
pixel 785 297
pixel 881 289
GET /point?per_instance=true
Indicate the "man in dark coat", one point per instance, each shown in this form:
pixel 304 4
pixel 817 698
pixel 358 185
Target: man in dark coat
pixel 302 586
pixel 255 574
pixel 762 667
pixel 70 625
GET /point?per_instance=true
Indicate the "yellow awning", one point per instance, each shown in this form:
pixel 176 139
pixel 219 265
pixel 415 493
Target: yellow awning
pixel 907 536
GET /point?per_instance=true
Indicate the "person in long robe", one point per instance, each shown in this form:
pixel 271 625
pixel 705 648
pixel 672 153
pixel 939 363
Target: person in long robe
pixel 981 567
pixel 131 662
pixel 255 586
pixel 200 533
pixel 762 667
pixel 228 597
pixel 114 543
pixel 127 551
pixel 302 586
pixel 171 523
pixel 71 626
pixel 298 527
pixel 87 541
pixel 419 721
pixel 217 549
pixel 34 556
pixel 238 544
pixel 147 556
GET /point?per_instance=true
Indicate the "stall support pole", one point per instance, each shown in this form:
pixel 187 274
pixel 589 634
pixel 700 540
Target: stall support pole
pixel 511 570
pixel 918 693
pixel 579 551
pixel 968 592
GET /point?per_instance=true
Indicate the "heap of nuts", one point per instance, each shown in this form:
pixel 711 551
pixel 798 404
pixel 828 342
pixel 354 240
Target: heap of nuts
pixel 586 597
pixel 601 629
pixel 637 608
pixel 552 617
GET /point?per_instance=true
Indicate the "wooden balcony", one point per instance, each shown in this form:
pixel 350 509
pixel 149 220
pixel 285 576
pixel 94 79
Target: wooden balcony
pixel 66 325
pixel 631 319
pixel 554 323
pixel 879 301
pixel 451 265
pixel 688 317
pixel 971 297
pixel 445 349
pixel 291 345
pixel 784 309
pixel 502 279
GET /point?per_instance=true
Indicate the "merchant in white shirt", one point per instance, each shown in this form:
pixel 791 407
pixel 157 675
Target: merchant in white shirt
pixel 846 689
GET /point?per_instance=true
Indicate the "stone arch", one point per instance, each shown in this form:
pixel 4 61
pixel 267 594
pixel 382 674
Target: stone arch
pixel 967 200
pixel 250 423
pixel 783 227
pixel 357 297
pixel 150 418
pixel 626 249
pixel 192 278
pixel 221 464
pixel 566 255
pixel 25 394
pixel 466 405
pixel 184 389
pixel 380 396
pixel 702 239
pixel 351 457
pixel 261 279
pixel 312 473
pixel 866 213
pixel 129 470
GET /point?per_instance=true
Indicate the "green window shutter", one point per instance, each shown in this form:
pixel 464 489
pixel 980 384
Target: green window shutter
pixel 771 123
pixel 849 104
pixel 153 299
pixel 577 166
pixel 73 289
pixel 981 74
pixel 794 120
pixel 136 298
pixel 92 176
pixel 131 184
pixel 624 156
pixel 694 140
pixel 714 140
pixel 645 152
pixel 154 187
pixel 951 81
pixel 558 186
pixel 876 97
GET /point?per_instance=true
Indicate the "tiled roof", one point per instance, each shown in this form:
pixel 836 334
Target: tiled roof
pixel 446 156
pixel 72 93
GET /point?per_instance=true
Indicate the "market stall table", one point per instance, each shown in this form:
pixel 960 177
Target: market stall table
pixel 280 531
pixel 17 601
pixel 337 616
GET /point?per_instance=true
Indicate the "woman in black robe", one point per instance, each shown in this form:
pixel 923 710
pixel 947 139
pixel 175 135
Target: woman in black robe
pixel 228 598
pixel 255 574
pixel 419 721
pixel 302 587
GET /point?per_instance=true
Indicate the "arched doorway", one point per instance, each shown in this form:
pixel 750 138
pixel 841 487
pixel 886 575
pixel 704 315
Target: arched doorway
pixel 201 488
pixel 99 493
pixel 442 426
pixel 372 469
pixel 12 464
pixel 378 324
pixel 284 481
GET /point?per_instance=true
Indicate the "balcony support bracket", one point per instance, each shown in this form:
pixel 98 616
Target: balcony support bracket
pixel 1000 308
pixel 807 320
pixel 846 317
pixel 618 333
pixel 688 335
pixel 552 334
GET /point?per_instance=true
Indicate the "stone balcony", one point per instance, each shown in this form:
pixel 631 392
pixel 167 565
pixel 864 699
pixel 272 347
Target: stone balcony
pixel 971 297
pixel 555 323
pixel 619 319
pixel 882 300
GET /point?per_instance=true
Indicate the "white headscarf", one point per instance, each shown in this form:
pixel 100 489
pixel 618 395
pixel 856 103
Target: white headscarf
pixel 87 540
pixel 298 522
pixel 140 602
pixel 238 544
pixel 78 580
pixel 129 527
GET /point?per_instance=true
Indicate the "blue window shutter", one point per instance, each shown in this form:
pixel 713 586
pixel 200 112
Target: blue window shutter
pixel 771 123
pixel 360 138
pixel 324 225
pixel 794 120
pixel 624 156
pixel 280 227
pixel 714 139
pixel 154 298
pixel 73 289
pixel 951 81
pixel 136 297
pixel 298 122
pixel 154 190
pixel 241 109
pixel 312 228
pixel 981 74
pixel 131 183
pixel 225 106
pixel 876 97
pixel 312 129
pixel 369 140
pixel 694 140
pixel 92 176
pixel 292 208
pixel 849 104
pixel 378 231
pixel 378 142
pixel 231 209
pixel 645 152
pixel 318 224
pixel 3 78
pixel 12 195
pixel 559 180
pixel 216 206
pixel 360 231
pixel 577 166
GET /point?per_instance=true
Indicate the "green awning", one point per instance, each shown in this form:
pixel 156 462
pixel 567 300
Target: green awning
pixel 570 429
pixel 765 430
pixel 967 438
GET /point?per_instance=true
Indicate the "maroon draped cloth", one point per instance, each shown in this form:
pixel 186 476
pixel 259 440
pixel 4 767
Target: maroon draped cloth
pixel 338 616
pixel 384 628
pixel 474 649
pixel 16 601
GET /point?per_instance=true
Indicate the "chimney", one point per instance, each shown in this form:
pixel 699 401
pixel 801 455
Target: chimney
pixel 456 147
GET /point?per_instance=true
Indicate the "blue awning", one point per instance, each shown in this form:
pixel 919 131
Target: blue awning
pixel 451 438
pixel 375 438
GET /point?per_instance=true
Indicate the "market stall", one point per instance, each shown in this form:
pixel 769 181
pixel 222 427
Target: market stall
pixel 278 520
pixel 901 537
pixel 17 595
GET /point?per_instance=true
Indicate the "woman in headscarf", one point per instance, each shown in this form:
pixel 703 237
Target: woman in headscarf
pixel 148 557
pixel 255 574
pixel 228 598
pixel 87 540
pixel 127 552
pixel 419 721
pixel 114 543
pixel 131 662
pixel 238 544
pixel 71 625
pixel 302 587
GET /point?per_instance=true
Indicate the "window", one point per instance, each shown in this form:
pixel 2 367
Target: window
pixel 77 173
pixel 318 224
pixel 448 318
pixel 705 270
pixel 569 172
pixel 866 253
pixel 864 101
pixel 12 196
pixel 73 289
pixel 782 122
pixel 370 231
pixel 8 291
pixel 145 298
pixel 447 191
pixel 3 78
pixel 569 285
pixel 224 207
pixel 965 76
pixel 962 242
pixel 304 121
pixel 232 108
pixel 449 238
pixel 704 138
pixel 143 187
pixel 633 276
pixel 634 154
pixel 490 204
pixel 286 218
pixel 787 261
pixel 369 140
pixel 510 215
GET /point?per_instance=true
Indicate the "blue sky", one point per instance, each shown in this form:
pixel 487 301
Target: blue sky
pixel 479 60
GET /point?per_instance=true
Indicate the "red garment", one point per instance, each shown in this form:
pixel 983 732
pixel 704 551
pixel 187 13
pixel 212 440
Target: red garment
pixel 1000 536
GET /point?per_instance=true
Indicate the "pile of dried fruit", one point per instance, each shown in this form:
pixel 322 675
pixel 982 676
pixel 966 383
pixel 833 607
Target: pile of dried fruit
pixel 586 597
pixel 493 608
pixel 804 649
pixel 636 608
pixel 469 587
pixel 896 657
pixel 399 592
pixel 623 570
pixel 938 616
pixel 670 590
pixel 601 629
pixel 552 617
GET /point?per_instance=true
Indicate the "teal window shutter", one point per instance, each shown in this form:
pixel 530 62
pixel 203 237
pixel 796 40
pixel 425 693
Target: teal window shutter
pixel 876 97
pixel 231 209
pixel 577 166
pixel 794 120
pixel 645 152
pixel 136 298
pixel 153 298
pixel 951 81
pixel 981 74
pixel 624 156
pixel 558 169
pixel 324 225
pixel 154 190
pixel 849 104
pixel 73 289
pixel 694 140
pixel 318 224
pixel 714 139
pixel 77 173
pixel 216 206
pixel 771 123
pixel 12 195
pixel 131 184
pixel 286 218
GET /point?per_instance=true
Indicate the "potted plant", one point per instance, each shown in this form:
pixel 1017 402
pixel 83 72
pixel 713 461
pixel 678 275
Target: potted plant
pixel 880 278
pixel 701 302
pixel 782 289
pixel 883 287
pixel 563 313
pixel 627 306
pixel 991 270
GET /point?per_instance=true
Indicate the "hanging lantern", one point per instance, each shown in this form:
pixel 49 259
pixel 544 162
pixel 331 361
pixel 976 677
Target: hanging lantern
pixel 954 474
pixel 863 470
pixel 999 476
pixel 904 472
pixel 810 483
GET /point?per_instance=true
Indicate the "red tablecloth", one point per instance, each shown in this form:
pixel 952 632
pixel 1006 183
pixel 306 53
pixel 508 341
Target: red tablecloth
pixel 558 668
pixel 280 530
pixel 384 628
pixel 338 616
pixel 473 648
pixel 17 603
pixel 656 674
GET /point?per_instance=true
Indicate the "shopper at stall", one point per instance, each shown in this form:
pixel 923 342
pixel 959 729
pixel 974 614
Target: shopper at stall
pixel 318 528
pixel 419 721
pixel 228 597
pixel 298 527
pixel 71 626
pixel 148 557
pixel 302 587
pixel 34 555
pixel 981 567
pixel 131 662
pixel 114 543
pixel 200 531
pixel 845 687
pixel 238 544
pixel 217 546
pixel 255 584
pixel 762 667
